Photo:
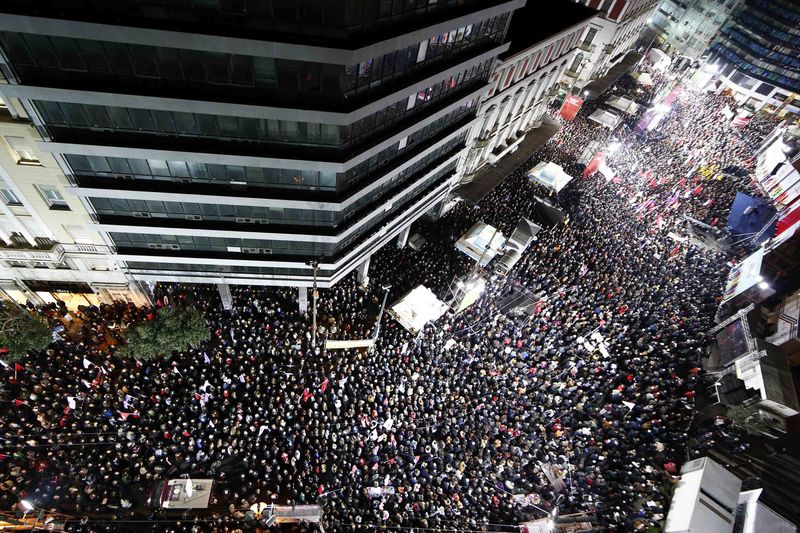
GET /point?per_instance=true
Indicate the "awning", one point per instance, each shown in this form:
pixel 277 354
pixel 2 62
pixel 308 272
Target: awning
pixel 550 175
pixel 606 118
pixel 626 105
pixel 481 242
pixel 416 308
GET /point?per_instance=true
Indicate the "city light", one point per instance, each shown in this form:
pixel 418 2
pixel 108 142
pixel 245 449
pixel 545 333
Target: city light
pixel 763 285
pixel 26 506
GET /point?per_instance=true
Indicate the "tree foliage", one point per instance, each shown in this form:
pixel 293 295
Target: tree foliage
pixel 22 332
pixel 172 329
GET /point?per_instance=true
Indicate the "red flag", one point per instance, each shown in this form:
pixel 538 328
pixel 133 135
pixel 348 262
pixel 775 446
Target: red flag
pixel 186 433
pixel 17 403
pixel 324 385
pixel 124 415
pixel 18 367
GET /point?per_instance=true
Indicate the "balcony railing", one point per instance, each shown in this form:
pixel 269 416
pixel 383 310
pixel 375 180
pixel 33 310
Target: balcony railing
pixel 55 254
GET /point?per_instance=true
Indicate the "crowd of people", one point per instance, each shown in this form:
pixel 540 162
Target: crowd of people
pixel 581 401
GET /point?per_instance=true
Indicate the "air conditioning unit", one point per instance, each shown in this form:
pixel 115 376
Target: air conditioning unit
pixel 141 215
pixel 242 220
pixel 194 217
pixel 262 220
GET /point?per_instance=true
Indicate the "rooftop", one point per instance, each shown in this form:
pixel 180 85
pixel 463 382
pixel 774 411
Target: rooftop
pixel 538 21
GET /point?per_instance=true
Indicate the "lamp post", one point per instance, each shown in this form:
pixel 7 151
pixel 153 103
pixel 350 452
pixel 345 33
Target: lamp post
pixel 315 266
pixel 380 314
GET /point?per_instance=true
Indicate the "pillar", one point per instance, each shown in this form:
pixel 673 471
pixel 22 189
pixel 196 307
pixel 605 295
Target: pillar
pixel 225 295
pixel 302 299
pixel 402 238
pixel 362 273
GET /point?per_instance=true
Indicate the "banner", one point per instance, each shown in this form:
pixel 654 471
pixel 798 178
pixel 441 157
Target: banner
pixel 343 345
pixel 572 104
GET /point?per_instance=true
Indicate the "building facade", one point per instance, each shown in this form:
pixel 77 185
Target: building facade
pixel 687 28
pixel 613 34
pixel 523 82
pixel 47 253
pixel 252 142
pixel 757 55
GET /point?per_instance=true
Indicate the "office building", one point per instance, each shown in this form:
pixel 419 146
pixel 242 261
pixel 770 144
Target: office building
pixel 252 142
pixel 687 28
pixel 757 55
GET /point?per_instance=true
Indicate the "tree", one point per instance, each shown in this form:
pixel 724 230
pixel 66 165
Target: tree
pixel 172 329
pixel 21 332
pixel 748 419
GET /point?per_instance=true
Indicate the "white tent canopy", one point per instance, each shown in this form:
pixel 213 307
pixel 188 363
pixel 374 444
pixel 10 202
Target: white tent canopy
pixel 550 175
pixel 644 78
pixel 626 105
pixel 481 242
pixel 606 118
pixel 417 308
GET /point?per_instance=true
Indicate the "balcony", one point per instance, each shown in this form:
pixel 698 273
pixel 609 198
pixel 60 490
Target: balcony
pixel 54 254
pixel 587 47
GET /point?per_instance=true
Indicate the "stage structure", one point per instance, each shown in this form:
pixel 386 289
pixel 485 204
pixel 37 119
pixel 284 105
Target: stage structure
pixel 550 175
pixel 416 308
pixel 465 290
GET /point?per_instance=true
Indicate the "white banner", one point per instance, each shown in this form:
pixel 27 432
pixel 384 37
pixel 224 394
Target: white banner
pixel 343 345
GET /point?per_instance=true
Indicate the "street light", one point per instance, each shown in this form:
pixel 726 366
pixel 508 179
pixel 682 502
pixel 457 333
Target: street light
pixel 26 506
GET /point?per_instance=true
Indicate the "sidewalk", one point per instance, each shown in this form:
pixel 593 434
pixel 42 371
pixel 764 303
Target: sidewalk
pixel 491 176
pixel 597 87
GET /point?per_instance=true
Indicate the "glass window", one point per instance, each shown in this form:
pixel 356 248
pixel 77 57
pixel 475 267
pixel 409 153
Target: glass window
pixel 144 60
pixel 68 53
pixel 52 196
pixel 9 197
pixel 41 50
pixel 118 57
pixel 120 118
pixel 158 167
pixel 93 55
pixel 184 123
pixel 142 119
pixel 97 116
pixel 264 71
pixel 74 114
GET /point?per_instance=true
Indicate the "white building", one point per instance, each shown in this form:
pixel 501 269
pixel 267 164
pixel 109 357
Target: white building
pixel 47 252
pixel 613 34
pixel 708 499
pixel 524 79
pixel 687 28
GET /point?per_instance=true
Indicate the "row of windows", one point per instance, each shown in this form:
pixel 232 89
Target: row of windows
pixel 381 161
pixel 311 18
pixel 403 109
pixel 373 72
pixel 83 59
pixel 262 215
pixel 123 62
pixel 257 246
pixel 207 173
pixel 755 71
pixel 751 44
pixel 244 214
pixel 234 269
pixel 748 19
pixel 218 244
pixel 84 116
